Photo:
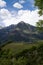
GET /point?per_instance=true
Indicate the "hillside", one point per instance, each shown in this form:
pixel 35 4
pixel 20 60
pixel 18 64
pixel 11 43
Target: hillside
pixel 22 32
pixel 22 54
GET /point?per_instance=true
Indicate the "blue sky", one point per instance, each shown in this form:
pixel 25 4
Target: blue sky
pixel 14 11
pixel 28 4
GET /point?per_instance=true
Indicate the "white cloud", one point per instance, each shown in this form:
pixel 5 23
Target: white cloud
pixel 21 1
pixel 27 16
pixel 2 3
pixel 4 13
pixel 17 5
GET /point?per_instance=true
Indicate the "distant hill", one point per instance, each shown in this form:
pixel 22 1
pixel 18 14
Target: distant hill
pixel 22 32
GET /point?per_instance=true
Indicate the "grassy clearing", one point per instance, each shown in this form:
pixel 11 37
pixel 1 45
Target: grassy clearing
pixel 18 47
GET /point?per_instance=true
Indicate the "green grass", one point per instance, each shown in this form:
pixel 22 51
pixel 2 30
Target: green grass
pixel 18 47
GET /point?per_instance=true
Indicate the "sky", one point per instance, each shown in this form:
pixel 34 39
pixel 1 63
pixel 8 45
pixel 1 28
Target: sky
pixel 15 11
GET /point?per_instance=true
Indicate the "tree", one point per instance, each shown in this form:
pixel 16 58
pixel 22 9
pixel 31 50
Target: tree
pixel 40 25
pixel 39 4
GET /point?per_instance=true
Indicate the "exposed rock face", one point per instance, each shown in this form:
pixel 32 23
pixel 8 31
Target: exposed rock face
pixel 20 32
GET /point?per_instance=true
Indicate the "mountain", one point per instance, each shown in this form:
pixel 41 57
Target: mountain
pixel 24 26
pixel 1 27
pixel 22 32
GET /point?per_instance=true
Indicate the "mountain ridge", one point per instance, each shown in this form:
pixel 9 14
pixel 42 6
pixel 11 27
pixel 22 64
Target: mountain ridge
pixel 22 32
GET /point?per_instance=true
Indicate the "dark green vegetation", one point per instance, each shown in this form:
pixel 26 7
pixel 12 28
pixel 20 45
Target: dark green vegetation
pixel 40 26
pixel 22 54
pixel 39 4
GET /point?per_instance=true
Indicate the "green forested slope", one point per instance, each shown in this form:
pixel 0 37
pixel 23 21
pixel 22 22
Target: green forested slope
pixel 22 54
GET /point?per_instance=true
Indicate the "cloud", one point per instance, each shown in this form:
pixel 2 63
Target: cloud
pixel 2 24
pixel 17 5
pixel 27 16
pixel 21 1
pixel 2 3
pixel 4 13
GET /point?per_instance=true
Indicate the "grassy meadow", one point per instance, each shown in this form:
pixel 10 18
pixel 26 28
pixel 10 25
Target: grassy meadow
pixel 22 54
